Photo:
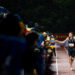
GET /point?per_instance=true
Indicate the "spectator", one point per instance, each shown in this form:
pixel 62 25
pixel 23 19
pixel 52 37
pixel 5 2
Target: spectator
pixel 29 57
pixel 12 25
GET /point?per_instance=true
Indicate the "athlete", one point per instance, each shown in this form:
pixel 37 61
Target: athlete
pixel 71 49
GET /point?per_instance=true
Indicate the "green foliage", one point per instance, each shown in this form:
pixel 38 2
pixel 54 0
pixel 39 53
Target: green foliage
pixel 52 14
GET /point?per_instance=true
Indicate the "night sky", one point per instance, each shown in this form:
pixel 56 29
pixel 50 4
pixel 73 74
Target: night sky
pixel 57 16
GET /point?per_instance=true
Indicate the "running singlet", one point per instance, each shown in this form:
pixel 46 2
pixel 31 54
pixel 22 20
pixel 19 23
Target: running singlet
pixel 71 41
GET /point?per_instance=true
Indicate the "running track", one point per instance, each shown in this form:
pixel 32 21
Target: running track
pixel 60 65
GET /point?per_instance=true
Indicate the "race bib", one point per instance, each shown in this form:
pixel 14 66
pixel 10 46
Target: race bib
pixel 71 44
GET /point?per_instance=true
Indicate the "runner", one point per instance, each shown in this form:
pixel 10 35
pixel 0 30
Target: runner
pixel 71 49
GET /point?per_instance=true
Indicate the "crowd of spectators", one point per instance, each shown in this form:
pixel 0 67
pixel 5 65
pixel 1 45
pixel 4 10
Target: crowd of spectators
pixel 23 50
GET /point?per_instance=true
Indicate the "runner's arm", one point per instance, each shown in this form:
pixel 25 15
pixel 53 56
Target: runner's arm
pixel 62 42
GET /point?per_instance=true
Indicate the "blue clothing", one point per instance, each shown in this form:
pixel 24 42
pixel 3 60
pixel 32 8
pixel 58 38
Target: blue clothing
pixel 40 63
pixel 13 47
pixel 52 41
pixel 16 48
pixel 40 40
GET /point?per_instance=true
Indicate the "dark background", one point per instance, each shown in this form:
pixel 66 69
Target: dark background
pixel 56 16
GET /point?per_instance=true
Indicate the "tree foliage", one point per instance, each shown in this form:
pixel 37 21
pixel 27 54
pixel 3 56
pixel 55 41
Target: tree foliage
pixel 54 15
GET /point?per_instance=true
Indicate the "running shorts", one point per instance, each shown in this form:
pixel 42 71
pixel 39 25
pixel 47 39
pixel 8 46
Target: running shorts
pixel 71 52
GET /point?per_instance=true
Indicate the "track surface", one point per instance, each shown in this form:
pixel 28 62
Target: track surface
pixel 60 64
